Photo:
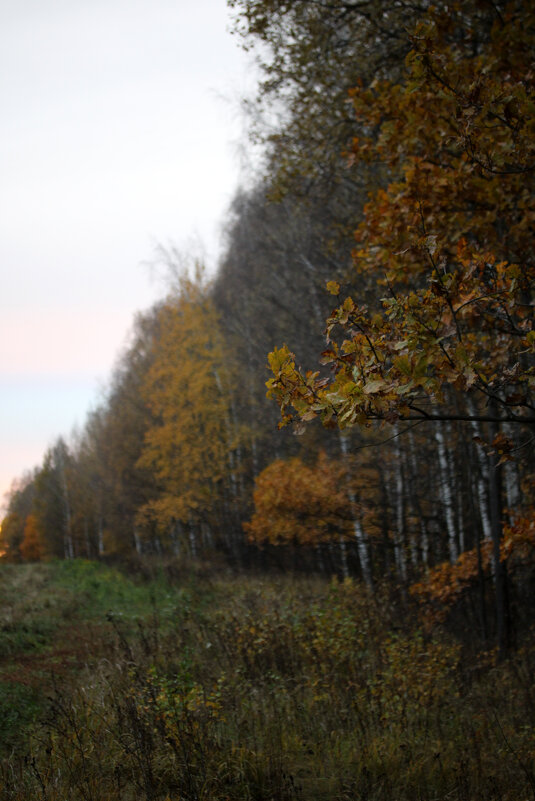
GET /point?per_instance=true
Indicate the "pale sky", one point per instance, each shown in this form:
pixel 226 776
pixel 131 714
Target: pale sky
pixel 119 129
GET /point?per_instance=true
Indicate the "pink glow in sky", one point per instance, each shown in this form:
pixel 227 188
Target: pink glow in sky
pixel 114 137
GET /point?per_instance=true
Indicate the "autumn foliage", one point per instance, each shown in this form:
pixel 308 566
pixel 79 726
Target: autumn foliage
pixel 445 584
pixel 448 241
pixel 300 503
pixel 33 546
pixel 190 440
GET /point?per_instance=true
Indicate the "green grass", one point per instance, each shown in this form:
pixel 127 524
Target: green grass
pixel 20 707
pixel 260 689
pixel 56 618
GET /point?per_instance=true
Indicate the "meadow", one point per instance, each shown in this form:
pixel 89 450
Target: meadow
pixel 172 684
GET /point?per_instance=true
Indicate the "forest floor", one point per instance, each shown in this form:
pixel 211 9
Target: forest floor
pixel 166 685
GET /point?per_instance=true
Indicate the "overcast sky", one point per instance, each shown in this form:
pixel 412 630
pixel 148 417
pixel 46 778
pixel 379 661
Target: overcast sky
pixel 119 130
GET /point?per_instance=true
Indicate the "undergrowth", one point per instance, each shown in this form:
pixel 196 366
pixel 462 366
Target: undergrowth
pixel 268 690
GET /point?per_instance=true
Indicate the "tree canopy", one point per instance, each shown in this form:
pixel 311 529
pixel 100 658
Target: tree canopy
pixel 448 242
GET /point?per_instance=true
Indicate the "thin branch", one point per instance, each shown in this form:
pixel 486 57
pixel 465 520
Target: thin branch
pixel 467 418
pixel 389 439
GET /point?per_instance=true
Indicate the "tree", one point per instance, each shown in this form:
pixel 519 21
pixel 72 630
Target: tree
pixel 448 242
pixel 298 503
pixel 52 505
pixel 32 547
pixel 449 245
pixel 270 287
pixel 190 445
pixel 20 500
pixel 330 502
pixel 116 436
pixel 310 54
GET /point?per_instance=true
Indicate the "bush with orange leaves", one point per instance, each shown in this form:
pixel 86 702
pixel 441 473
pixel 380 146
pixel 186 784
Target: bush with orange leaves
pixel 301 504
pixel 445 584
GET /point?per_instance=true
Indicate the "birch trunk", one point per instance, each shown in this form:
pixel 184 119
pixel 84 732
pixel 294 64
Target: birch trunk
pixel 400 557
pixel 446 493
pixel 360 537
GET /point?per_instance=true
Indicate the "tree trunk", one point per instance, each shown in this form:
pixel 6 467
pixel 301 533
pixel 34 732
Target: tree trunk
pixel 399 496
pixel 446 494
pixel 503 623
pixel 360 537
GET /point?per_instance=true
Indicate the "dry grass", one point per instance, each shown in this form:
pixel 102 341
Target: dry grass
pixel 271 690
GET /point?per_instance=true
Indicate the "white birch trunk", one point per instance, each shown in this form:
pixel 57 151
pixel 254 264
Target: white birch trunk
pixel 483 478
pixel 446 494
pixel 192 539
pixel 400 557
pixel 137 542
pixel 425 543
pixel 360 537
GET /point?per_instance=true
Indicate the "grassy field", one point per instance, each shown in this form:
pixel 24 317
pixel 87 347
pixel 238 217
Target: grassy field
pixel 176 686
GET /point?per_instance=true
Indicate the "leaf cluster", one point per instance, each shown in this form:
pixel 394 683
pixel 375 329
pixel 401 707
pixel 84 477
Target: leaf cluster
pixel 447 242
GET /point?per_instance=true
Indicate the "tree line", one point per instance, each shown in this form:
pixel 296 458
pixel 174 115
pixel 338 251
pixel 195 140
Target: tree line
pixel 397 185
